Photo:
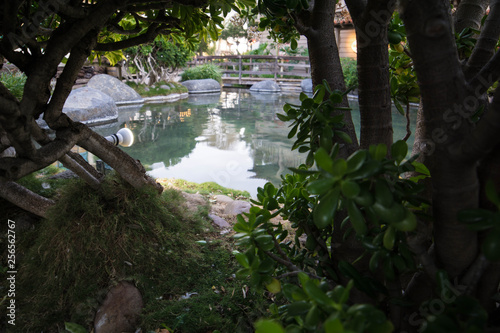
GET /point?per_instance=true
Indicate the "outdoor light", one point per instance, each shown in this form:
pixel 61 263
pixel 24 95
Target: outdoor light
pixel 124 137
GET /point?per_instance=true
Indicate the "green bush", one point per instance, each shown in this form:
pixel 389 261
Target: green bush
pixel 14 82
pixel 349 66
pixel 206 71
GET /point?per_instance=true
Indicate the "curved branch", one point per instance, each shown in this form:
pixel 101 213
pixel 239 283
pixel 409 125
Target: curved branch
pixel 24 198
pixel 64 85
pixel 483 138
pixel 488 75
pixel 130 170
pixel 485 47
pixel 148 36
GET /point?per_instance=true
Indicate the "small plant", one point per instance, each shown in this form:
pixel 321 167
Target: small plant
pixel 14 82
pixel 206 71
pixel 349 66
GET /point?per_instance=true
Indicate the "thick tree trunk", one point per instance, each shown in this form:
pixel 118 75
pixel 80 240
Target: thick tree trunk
pixel 443 90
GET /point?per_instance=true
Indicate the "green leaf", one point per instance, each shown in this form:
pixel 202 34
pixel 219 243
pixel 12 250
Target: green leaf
pixel 74 328
pixel 317 294
pixel 357 219
pixel 491 193
pixel 389 238
pixel 421 168
pixel 378 152
pixel 298 308
pixel 321 186
pixel 344 136
pixel 336 98
pixel 323 160
pixel 319 94
pixel 333 324
pixel 243 260
pixel 350 189
pixel 356 160
pixel 399 150
pixel 339 167
pixel 324 211
pixel 268 326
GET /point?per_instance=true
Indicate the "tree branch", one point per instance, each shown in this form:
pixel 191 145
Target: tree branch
pixel 469 14
pixel 485 46
pixel 24 198
pixel 153 31
pixel 488 75
pixel 483 138
pixel 64 85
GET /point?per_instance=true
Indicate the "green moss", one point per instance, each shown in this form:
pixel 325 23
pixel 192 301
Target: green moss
pixel 150 91
pixel 207 188
pixel 92 240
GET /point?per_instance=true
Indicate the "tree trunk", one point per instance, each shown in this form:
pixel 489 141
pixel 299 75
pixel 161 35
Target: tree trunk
pixel 443 89
pixel 374 95
pixel 325 60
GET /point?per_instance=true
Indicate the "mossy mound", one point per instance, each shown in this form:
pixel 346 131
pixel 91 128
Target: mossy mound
pixel 91 241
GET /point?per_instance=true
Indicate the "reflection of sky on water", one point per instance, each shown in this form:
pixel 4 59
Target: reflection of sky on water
pixel 233 138
pixel 229 168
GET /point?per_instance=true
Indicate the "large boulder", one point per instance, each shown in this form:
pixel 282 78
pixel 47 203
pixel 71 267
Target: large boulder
pixel 89 106
pixel 307 85
pixel 116 89
pixel 202 86
pixel 266 86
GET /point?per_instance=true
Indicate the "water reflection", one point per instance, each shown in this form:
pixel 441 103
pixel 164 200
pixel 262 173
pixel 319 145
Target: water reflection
pixel 233 138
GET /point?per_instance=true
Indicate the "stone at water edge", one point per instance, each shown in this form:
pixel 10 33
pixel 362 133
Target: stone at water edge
pixel 223 198
pixel 218 221
pixel 120 310
pixel 116 89
pixel 307 85
pixel 266 86
pixel 237 207
pixel 202 86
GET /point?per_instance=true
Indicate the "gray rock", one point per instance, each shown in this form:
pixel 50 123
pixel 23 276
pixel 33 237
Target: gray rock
pixel 218 221
pixel 146 89
pixel 120 310
pixel 237 207
pixel 265 86
pixel 165 87
pixel 202 86
pixel 194 201
pixel 89 106
pixel 119 91
pixel 307 85
pixel 223 198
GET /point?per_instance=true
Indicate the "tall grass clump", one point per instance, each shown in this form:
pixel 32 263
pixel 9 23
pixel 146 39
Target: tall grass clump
pixel 205 71
pixel 92 240
pixel 14 82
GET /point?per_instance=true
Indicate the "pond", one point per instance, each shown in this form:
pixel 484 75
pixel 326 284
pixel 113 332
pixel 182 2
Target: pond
pixel 233 138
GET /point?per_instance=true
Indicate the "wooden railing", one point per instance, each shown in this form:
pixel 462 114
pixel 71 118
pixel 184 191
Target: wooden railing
pixel 248 69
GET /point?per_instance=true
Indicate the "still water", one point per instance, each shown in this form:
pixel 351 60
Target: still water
pixel 233 138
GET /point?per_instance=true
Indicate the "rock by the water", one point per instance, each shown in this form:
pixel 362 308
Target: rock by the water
pixel 202 86
pixel 266 86
pixel 89 106
pixel 164 86
pixel 307 85
pixel 119 91
pixel 120 310
pixel 223 198
pixel 237 207
pixel 219 221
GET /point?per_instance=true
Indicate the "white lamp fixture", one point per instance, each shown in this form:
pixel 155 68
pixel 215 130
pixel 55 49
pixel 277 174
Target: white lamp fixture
pixel 124 137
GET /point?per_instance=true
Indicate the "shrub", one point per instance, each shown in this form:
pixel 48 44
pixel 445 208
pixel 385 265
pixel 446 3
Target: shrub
pixel 349 66
pixel 14 82
pixel 206 71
